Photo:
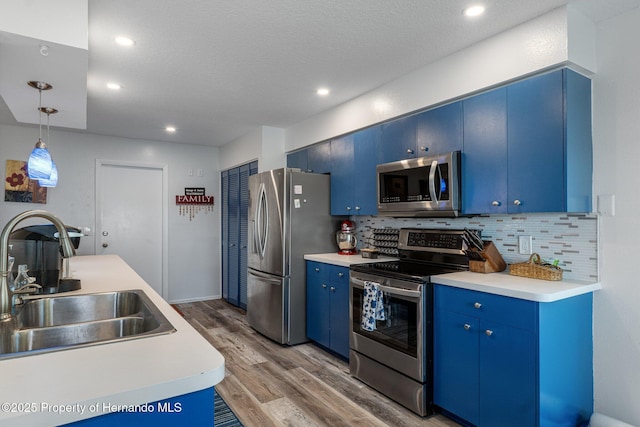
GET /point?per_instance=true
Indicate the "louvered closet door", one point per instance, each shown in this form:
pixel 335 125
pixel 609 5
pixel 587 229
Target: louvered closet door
pixel 235 209
pixel 225 234
pixel 244 222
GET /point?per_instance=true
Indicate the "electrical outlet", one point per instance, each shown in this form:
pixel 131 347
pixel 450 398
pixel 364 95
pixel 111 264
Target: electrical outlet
pixel 524 245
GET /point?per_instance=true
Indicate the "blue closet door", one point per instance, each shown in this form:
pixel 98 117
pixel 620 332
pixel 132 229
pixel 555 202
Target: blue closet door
pixel 234 221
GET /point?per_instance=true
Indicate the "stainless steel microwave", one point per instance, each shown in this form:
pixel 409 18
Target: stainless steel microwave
pixel 422 187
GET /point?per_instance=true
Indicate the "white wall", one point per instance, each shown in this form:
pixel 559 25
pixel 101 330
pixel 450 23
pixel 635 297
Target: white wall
pixel 539 44
pixel 616 122
pixel 194 245
pixel 265 144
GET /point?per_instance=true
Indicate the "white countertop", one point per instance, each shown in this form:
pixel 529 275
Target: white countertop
pixel 493 283
pixel 516 286
pixel 344 260
pixel 131 372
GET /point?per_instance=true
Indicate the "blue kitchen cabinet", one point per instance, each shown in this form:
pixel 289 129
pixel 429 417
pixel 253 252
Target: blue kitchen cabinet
pixel 399 139
pixel 430 132
pixel 319 158
pixel 439 130
pixel 353 173
pixel 298 159
pixel 527 146
pixel 328 306
pixel 193 409
pixel 316 158
pixel 501 361
pixel 484 163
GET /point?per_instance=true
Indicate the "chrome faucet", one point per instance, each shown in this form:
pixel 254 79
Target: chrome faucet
pixel 67 252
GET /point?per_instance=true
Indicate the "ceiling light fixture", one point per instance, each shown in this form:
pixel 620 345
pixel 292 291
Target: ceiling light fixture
pixel 323 91
pixel 473 11
pixel 114 86
pixel 170 129
pixel 53 178
pixel 124 41
pixel 40 165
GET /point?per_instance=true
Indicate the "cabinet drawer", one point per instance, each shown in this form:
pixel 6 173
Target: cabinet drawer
pixel 338 275
pixel 511 311
pixel 317 270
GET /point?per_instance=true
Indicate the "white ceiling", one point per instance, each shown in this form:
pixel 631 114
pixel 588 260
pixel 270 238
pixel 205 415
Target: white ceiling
pixel 217 69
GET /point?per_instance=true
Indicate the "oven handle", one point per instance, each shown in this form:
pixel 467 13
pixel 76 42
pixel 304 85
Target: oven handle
pixel 391 290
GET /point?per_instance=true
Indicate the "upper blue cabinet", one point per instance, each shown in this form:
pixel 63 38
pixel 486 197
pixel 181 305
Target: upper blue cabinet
pixel 316 158
pixel 353 172
pixel 430 132
pixel 527 147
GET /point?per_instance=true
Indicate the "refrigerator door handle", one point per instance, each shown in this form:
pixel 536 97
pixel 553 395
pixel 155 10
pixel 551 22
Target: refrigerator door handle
pixel 262 221
pixel 266 277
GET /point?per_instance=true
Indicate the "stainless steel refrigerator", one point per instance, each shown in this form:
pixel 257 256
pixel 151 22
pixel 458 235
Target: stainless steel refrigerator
pixel 289 216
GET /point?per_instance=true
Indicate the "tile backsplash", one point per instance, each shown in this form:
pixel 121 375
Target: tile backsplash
pixel 569 238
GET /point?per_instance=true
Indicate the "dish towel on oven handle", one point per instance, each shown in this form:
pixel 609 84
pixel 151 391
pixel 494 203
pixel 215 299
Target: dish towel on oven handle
pixel 372 306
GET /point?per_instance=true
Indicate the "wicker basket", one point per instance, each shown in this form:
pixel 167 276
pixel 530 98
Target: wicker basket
pixel 536 269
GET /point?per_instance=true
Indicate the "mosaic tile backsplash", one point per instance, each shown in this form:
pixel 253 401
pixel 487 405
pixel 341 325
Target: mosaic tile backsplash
pixel 569 238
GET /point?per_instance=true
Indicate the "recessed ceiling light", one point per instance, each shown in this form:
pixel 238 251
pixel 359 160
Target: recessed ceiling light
pixel 473 11
pixel 323 91
pixel 170 129
pixel 114 86
pixel 124 41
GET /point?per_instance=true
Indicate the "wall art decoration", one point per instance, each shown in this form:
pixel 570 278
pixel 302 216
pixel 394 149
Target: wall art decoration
pixel 193 201
pixel 19 188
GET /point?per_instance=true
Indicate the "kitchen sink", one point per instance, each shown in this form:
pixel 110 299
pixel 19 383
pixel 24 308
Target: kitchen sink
pixel 44 312
pixel 66 322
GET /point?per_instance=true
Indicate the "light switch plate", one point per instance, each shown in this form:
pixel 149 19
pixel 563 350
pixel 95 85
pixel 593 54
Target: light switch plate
pixel 525 245
pixel 607 204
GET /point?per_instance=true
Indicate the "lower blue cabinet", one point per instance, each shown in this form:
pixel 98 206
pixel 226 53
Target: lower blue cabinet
pixel 501 361
pixel 193 409
pixel 328 306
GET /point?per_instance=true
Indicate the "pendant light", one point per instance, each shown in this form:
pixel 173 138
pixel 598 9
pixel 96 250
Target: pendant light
pixel 40 165
pixel 52 181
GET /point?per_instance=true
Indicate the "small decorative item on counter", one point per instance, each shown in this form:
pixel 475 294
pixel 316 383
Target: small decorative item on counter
pixel 536 269
pixel 369 253
pixel 490 260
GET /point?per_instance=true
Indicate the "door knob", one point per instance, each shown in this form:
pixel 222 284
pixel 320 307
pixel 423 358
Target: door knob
pixel 104 245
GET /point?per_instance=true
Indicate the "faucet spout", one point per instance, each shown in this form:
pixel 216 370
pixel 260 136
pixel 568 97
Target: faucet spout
pixel 65 243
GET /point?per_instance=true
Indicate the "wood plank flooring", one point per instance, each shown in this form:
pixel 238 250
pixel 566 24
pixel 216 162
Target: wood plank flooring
pixel 267 384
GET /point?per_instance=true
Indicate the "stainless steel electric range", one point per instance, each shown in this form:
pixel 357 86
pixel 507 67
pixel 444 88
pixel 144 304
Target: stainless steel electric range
pixel 393 353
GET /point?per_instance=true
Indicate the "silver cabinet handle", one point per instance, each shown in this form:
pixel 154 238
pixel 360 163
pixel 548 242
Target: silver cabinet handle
pixel 467 326
pixel 317 269
pixel 357 208
pixel 333 288
pixel 340 274
pixel 477 305
pixel 409 151
pixel 517 202
pixel 488 332
pixel 324 286
pixel 348 208
pixel 424 149
pixel 495 203
pixel 104 245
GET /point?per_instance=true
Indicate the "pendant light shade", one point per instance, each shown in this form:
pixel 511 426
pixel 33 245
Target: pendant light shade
pixel 40 164
pixel 53 179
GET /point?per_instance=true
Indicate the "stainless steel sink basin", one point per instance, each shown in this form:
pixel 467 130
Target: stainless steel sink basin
pixel 65 322
pixel 80 308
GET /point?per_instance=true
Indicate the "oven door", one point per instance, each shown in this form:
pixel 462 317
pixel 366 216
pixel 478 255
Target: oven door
pixel 398 342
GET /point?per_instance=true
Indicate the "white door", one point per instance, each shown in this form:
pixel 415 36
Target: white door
pixel 131 213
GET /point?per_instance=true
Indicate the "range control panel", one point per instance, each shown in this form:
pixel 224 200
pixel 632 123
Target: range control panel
pixel 431 240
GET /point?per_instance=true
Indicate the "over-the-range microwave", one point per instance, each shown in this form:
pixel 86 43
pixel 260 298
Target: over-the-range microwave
pixel 423 187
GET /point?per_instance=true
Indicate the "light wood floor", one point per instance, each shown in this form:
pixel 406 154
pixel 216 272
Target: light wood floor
pixel 267 384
